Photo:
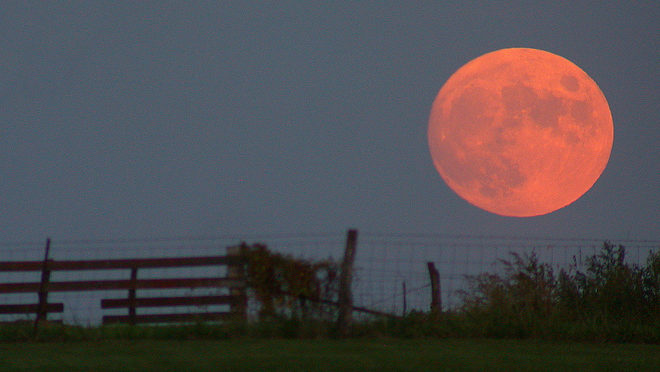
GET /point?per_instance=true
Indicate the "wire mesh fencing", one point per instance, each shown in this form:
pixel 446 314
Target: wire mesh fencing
pixel 388 263
pixel 390 270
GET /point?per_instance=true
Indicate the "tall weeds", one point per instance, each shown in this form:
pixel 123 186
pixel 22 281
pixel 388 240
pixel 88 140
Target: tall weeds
pixel 608 300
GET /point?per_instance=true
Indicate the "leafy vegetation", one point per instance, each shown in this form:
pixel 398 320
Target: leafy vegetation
pixel 285 286
pixel 607 301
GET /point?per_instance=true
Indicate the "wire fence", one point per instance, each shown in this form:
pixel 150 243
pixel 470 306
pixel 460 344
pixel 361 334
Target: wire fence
pixel 386 261
pixel 390 270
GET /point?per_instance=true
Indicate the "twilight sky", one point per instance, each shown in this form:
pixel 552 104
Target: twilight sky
pixel 156 119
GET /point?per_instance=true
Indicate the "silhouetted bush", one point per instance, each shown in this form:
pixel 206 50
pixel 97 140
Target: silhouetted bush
pixel 607 300
pixel 610 300
pixel 289 287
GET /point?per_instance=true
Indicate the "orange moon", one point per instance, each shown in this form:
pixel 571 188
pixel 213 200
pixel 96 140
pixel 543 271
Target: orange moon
pixel 520 132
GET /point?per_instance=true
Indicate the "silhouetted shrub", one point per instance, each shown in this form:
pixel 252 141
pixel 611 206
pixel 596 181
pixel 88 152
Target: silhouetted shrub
pixel 610 300
pixel 287 286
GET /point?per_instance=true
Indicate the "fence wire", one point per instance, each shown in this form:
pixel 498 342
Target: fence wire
pixel 385 264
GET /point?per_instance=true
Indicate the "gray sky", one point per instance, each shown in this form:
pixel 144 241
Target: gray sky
pixel 152 119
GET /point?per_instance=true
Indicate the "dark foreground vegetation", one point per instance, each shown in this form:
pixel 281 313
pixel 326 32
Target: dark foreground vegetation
pixel 609 301
pixel 606 301
pixel 382 354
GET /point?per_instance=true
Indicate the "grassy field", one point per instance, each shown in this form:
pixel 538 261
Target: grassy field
pixel 326 355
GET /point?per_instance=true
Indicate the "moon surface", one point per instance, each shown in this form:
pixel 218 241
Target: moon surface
pixel 520 132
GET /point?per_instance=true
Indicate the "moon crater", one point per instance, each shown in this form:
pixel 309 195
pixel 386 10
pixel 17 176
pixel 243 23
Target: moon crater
pixel 570 83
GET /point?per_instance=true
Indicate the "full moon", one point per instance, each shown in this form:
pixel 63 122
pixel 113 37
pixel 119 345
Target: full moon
pixel 520 132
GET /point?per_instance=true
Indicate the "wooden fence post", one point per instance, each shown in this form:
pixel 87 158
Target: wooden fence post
pixel 236 271
pixel 345 279
pixel 42 307
pixel 131 297
pixel 436 300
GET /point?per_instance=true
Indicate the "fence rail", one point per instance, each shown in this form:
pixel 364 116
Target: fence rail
pixel 234 281
pixel 143 263
pixel 391 273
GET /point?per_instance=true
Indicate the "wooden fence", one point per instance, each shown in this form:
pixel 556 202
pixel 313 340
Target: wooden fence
pixel 234 280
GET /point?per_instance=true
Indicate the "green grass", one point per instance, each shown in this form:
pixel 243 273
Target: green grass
pixel 325 355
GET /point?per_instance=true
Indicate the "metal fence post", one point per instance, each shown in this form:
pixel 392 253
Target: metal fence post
pixel 405 303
